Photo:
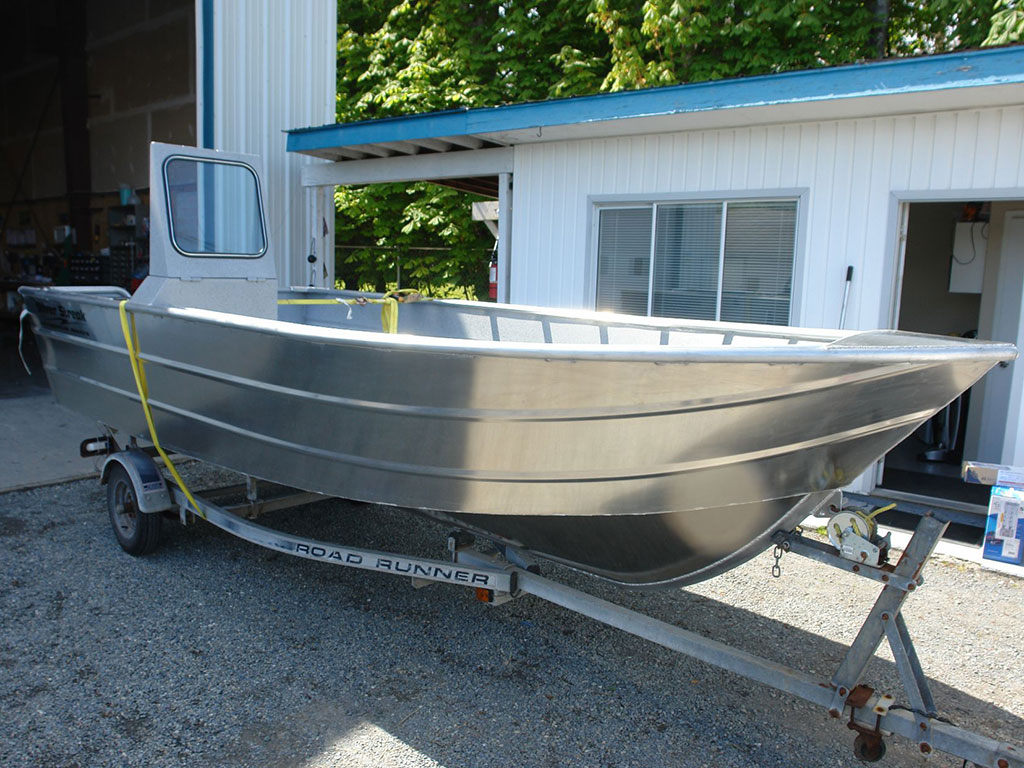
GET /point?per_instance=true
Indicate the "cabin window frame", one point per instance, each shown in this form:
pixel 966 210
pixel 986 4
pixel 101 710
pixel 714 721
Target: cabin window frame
pixel 209 208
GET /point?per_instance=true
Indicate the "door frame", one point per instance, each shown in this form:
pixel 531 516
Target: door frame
pixel 898 218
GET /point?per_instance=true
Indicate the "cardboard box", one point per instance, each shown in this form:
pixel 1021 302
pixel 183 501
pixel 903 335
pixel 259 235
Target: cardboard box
pixel 1004 531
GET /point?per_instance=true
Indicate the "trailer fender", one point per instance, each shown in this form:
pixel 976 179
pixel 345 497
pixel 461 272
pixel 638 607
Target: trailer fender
pixel 151 491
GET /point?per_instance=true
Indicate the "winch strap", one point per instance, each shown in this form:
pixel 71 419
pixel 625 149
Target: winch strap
pixel 131 341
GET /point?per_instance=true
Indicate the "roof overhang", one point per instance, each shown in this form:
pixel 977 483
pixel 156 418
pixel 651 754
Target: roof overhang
pixel 973 79
pixel 472 171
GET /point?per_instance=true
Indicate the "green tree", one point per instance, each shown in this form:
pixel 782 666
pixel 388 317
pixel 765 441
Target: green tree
pixel 1007 23
pixel 938 26
pixel 418 56
pixel 663 42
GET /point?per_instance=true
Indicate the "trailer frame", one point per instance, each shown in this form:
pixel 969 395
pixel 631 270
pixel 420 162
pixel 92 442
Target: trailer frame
pixel 505 574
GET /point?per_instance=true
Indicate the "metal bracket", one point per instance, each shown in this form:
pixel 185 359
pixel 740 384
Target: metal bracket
pixel 460 546
pixel 868 745
pixel 824 553
pixel 886 610
pixel 912 676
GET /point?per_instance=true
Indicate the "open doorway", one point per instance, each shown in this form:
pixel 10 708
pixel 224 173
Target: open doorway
pixel 942 293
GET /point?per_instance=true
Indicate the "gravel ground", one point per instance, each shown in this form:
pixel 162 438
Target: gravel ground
pixel 215 652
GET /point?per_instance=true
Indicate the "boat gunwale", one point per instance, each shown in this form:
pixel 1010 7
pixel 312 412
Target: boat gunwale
pixel 967 350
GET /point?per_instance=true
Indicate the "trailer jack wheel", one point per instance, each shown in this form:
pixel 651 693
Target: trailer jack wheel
pixel 137 532
pixel 869 749
pixel 868 746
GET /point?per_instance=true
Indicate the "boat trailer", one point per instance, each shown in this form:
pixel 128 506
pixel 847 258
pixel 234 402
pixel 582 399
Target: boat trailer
pixel 139 496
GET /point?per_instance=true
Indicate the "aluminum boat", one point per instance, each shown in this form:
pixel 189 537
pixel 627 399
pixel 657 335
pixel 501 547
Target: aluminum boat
pixel 646 451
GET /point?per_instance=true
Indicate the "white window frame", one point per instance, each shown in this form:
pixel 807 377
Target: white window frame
pixel 597 203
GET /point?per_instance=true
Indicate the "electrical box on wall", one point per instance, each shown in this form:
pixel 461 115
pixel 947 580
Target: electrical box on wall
pixel 967 268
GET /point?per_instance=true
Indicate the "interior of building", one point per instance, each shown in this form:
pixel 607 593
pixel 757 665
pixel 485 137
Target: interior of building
pixel 79 108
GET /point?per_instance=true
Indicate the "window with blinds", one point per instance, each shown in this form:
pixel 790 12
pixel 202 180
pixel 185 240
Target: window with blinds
pixel 725 260
pixel 624 260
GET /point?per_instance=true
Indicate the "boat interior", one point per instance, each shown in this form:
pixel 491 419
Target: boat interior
pixel 475 321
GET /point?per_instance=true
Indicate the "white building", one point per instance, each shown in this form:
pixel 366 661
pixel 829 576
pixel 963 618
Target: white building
pixel 750 200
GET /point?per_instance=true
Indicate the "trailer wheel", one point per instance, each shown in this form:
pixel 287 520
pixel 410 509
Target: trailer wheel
pixel 868 750
pixel 137 532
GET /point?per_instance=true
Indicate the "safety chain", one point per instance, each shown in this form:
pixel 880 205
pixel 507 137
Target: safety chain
pixel 776 568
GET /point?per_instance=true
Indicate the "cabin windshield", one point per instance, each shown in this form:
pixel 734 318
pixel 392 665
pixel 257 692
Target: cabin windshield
pixel 214 208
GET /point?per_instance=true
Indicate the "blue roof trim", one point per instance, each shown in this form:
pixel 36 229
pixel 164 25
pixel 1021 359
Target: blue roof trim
pixel 991 66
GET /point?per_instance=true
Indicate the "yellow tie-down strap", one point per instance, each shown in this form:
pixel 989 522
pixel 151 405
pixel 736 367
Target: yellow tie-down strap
pixel 131 341
pixel 388 310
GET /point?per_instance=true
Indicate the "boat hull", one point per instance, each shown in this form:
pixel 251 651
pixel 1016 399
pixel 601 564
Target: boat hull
pixel 641 465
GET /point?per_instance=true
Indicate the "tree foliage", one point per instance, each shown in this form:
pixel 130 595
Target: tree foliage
pixel 409 57
pixel 397 58
pixel 937 26
pixel 1007 23
pixel 663 42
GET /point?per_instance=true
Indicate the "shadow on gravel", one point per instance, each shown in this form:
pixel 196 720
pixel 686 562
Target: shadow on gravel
pixel 213 651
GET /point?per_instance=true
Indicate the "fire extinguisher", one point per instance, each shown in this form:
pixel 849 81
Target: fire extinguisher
pixel 492 289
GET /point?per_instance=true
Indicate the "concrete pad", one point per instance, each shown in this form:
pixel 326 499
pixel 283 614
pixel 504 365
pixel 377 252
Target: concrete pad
pixel 40 442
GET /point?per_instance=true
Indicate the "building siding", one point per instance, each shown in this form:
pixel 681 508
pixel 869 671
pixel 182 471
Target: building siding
pixel 274 69
pixel 847 171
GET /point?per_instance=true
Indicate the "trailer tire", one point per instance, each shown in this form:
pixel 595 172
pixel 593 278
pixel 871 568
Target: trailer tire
pixel 137 532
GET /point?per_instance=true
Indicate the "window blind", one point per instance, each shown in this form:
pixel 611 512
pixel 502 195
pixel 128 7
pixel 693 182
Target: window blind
pixel 757 272
pixel 624 259
pixel 687 242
